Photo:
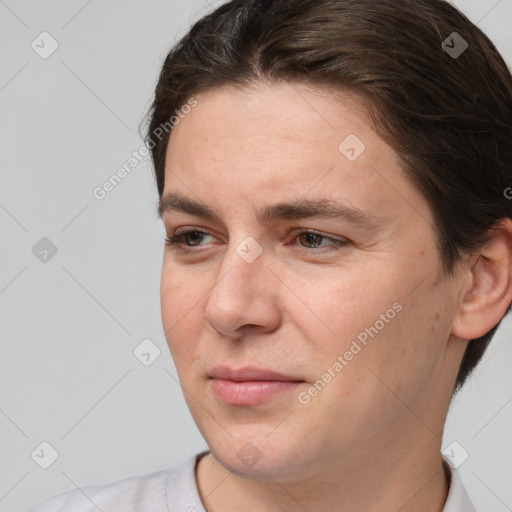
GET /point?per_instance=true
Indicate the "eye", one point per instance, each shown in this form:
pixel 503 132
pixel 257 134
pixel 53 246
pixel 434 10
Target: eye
pixel 314 240
pixel 194 236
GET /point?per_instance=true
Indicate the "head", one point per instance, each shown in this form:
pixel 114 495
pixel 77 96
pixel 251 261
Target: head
pixel 308 105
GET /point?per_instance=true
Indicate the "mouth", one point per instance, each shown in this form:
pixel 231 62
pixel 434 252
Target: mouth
pixel 249 385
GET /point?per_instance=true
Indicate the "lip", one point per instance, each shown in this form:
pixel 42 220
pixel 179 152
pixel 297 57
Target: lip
pixel 249 373
pixel 249 385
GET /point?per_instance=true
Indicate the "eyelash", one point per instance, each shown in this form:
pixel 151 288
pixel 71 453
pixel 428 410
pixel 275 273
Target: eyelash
pixel 174 243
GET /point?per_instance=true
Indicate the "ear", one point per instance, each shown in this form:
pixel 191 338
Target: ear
pixel 488 292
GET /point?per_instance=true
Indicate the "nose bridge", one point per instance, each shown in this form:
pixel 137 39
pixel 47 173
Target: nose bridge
pixel 241 282
pixel 240 271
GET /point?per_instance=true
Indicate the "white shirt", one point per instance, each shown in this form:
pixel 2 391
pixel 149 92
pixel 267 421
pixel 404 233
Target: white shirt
pixel 175 490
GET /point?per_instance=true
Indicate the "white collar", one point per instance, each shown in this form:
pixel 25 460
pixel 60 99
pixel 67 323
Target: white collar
pixel 458 499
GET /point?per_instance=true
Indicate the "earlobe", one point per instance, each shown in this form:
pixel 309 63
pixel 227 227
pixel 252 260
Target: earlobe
pixel 489 293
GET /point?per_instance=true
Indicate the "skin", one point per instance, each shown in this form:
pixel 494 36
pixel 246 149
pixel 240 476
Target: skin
pixel 371 439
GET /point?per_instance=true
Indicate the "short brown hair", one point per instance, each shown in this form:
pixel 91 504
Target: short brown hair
pixel 448 116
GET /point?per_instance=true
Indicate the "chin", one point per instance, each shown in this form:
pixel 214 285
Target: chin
pixel 252 463
pixel 254 455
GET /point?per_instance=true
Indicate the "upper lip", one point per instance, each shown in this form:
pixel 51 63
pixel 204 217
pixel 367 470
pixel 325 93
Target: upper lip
pixel 249 373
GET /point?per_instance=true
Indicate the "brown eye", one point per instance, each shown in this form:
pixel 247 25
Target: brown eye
pixel 189 238
pixel 193 236
pixel 310 241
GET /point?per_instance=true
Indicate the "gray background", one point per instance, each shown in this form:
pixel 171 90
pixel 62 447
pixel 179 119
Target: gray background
pixel 69 325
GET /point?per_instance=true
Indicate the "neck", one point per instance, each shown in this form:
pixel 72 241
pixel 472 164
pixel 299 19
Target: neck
pixel 403 478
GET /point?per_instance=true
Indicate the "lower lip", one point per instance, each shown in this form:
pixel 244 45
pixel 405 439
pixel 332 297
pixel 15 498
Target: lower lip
pixel 250 392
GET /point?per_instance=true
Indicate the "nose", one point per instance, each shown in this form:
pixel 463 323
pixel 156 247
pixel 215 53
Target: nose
pixel 244 296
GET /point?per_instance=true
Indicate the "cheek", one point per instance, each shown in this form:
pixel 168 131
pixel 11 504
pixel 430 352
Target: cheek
pixel 381 319
pixel 181 310
pixel 407 355
pixel 343 304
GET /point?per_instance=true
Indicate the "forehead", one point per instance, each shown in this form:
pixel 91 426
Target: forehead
pixel 285 141
pixel 296 108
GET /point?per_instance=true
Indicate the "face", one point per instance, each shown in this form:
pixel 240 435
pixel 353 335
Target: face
pixel 300 338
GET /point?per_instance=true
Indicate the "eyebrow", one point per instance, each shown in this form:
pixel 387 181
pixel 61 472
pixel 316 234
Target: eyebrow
pixel 296 210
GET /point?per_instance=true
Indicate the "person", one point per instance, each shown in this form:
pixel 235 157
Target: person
pixel 332 176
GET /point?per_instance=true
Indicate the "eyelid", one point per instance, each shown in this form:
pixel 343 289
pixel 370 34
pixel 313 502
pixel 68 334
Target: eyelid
pixel 300 231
